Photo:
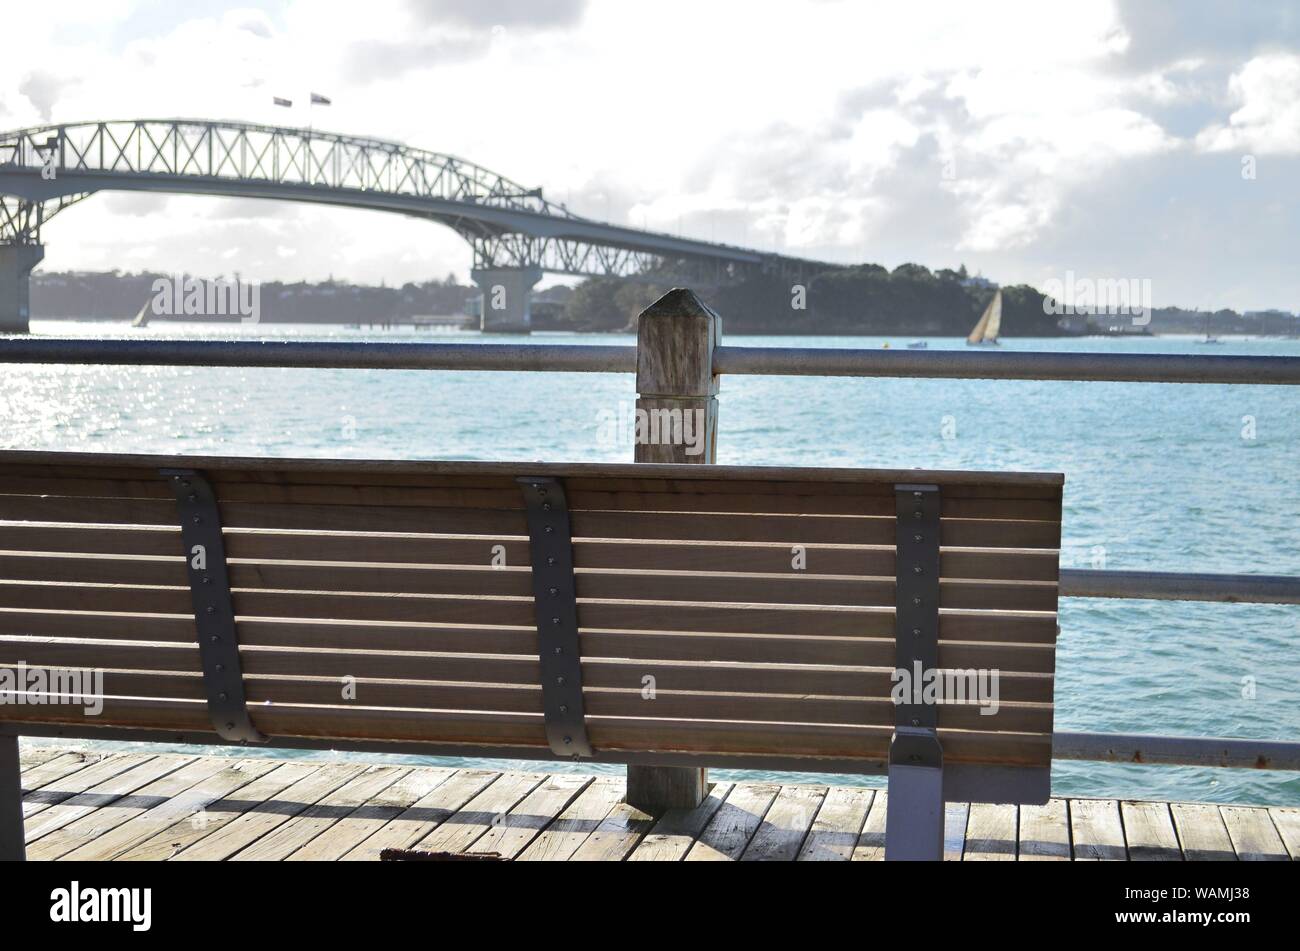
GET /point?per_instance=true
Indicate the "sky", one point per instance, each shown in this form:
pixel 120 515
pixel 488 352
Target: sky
pixel 1154 140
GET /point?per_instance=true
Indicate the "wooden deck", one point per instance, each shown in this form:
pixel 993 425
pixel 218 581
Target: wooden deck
pixel 124 806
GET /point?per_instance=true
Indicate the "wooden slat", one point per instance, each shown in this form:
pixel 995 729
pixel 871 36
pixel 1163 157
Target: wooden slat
pixel 598 673
pixel 1287 823
pixel 1253 834
pixel 728 834
pixel 209 818
pixel 1001 626
pixel 426 814
pixel 834 833
pixel 786 824
pixel 611 496
pixel 189 806
pixel 358 825
pixel 106 818
pixel 1044 833
pixel 298 831
pixel 677 829
pixel 871 843
pixel 486 809
pixel 508 836
pixel 576 823
pixel 93 771
pixel 1009 659
pixel 1097 831
pixel 991 830
pixel 1201 833
pixel 262 819
pixel 1149 831
pixel 84 803
pixel 617 835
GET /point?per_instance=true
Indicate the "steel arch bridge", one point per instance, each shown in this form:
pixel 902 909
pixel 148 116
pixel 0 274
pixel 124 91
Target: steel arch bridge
pixel 46 169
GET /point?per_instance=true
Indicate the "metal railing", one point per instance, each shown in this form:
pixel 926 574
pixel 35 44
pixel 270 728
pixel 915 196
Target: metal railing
pixel 796 361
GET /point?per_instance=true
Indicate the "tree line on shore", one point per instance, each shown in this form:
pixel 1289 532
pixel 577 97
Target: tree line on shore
pixel 865 299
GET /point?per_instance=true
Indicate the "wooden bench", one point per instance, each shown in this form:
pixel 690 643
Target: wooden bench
pixel 670 615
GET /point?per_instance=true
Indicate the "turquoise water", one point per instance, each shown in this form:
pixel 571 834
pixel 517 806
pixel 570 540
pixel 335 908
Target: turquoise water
pixel 1165 477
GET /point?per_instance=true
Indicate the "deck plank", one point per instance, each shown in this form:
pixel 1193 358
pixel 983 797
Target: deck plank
pixel 956 816
pixel 871 843
pixel 1201 833
pixel 100 795
pixel 734 824
pixel 617 835
pixel 1253 834
pixel 838 824
pixel 490 807
pixel 677 829
pixel 263 818
pixel 1044 833
pixel 364 821
pixel 90 772
pixel 576 823
pixel 1149 831
pixel 1097 830
pixel 191 825
pixel 431 810
pixel 1287 821
pixel 297 832
pixel 991 833
pixel 781 834
pixel 100 822
pixel 529 819
pixel 191 804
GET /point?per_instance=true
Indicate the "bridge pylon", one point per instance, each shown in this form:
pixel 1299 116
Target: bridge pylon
pixel 506 293
pixel 16 264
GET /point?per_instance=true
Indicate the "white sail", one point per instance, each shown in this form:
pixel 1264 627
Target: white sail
pixel 989 325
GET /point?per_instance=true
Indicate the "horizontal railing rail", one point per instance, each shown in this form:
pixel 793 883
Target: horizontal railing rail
pixel 1177 750
pixel 585 358
pixel 797 361
pixel 1180 586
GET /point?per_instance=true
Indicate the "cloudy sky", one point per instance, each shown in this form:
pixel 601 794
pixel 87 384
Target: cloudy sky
pixel 1024 139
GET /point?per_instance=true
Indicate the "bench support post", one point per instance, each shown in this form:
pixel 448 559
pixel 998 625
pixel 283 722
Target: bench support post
pixel 11 801
pixel 914 820
pixel 677 422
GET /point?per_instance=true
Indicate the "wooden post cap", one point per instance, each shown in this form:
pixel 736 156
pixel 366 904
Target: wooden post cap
pixel 675 339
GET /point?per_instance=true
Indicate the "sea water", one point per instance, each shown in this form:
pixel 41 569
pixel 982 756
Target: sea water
pixel 1167 477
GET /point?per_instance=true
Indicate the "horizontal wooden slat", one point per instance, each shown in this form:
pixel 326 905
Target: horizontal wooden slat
pixel 791 529
pixel 652 556
pixel 719 677
pixel 615 734
pixel 778 649
pixel 793 588
pixel 497 698
pixel 1005 626
pixel 874 500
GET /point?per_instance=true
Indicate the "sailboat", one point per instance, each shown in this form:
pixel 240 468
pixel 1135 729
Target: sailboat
pixel 1209 338
pixel 142 318
pixel 985 332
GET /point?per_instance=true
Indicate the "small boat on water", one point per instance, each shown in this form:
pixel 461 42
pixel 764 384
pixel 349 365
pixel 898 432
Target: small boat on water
pixel 918 345
pixel 986 330
pixel 142 318
pixel 1209 337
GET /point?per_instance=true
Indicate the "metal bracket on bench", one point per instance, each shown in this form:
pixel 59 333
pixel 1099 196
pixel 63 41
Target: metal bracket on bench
pixel 214 613
pixel 914 821
pixel 555 600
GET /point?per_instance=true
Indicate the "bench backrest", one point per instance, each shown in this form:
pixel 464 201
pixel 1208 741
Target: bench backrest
pixel 746 614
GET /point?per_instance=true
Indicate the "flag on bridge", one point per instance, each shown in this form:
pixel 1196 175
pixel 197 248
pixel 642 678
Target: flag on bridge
pixel 318 100
pixel 287 103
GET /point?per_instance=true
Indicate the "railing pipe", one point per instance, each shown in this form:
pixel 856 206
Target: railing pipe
pixel 1177 750
pixel 1180 586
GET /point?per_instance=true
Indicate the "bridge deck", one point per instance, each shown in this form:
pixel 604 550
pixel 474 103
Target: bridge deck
pixel 121 806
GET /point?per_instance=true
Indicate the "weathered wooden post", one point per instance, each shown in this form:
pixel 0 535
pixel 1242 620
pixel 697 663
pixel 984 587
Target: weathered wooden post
pixel 676 386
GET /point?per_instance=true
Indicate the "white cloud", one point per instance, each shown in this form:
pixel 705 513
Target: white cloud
pixel 1268 119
